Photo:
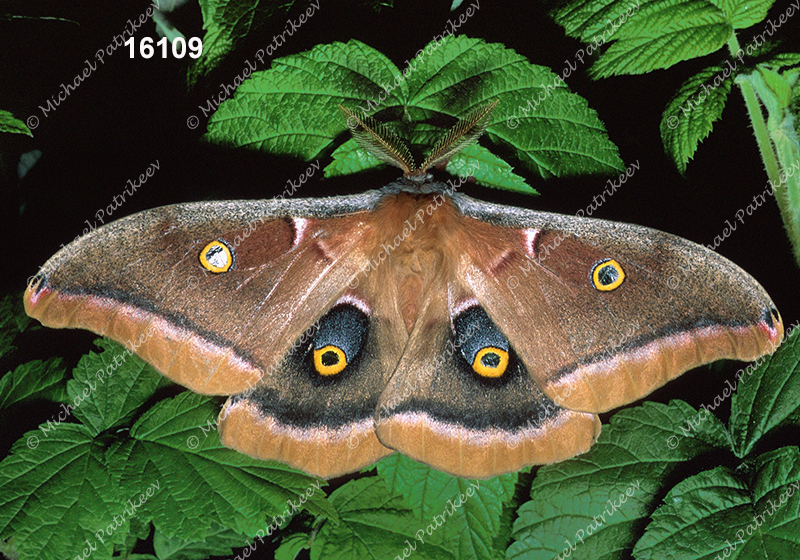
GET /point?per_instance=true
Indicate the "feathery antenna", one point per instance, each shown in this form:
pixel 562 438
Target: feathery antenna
pixel 385 145
pixel 465 132
pixel 379 141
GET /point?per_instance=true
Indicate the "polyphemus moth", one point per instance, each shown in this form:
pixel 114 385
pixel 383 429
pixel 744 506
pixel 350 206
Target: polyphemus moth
pixel 474 337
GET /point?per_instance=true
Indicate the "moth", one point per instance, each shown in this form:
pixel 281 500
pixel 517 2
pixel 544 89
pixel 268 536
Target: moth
pixel 474 337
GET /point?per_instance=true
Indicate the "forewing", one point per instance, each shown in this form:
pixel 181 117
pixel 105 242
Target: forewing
pixel 140 281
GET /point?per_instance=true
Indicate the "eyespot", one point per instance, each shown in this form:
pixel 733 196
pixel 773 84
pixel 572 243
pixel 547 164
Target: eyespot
pixel 483 346
pixel 490 362
pixel 337 343
pixel 607 275
pixel 216 257
pixel 329 360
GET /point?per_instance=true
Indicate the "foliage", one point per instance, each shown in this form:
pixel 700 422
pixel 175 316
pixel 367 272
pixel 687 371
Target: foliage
pixel 447 80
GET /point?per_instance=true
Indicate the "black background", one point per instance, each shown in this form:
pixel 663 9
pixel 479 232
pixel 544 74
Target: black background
pixel 131 112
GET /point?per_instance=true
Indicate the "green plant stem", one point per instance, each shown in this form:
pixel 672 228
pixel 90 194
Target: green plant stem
pixel 768 156
pixel 757 120
pixel 787 191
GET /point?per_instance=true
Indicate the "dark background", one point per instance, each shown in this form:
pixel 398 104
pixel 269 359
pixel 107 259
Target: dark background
pixel 131 112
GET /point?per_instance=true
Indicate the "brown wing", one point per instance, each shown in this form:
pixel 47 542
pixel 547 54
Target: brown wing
pixel 602 313
pixel 140 281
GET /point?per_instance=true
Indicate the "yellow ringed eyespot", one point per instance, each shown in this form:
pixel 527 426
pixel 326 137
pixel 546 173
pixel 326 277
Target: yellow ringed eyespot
pixel 216 257
pixel 607 275
pixel 329 360
pixel 490 362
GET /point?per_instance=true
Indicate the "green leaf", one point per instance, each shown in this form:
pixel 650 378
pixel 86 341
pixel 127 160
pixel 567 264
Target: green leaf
pixel 56 493
pixel 34 380
pixel 12 125
pixel 201 483
pixel 291 546
pixel 375 523
pixel 108 388
pixel 350 158
pixel 782 60
pixel 463 513
pixel 488 170
pixel 504 536
pixel 291 109
pixel 219 541
pixel 596 505
pixel 675 44
pixel 767 394
pixel 691 114
pixel 229 22
pixel 743 14
pixel 656 34
pixel 721 513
